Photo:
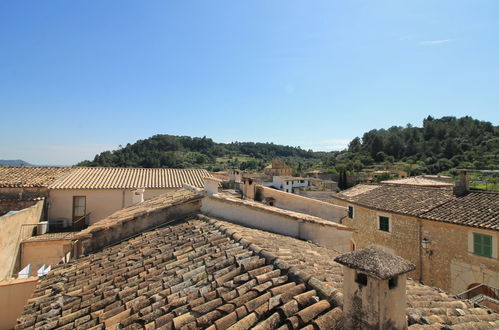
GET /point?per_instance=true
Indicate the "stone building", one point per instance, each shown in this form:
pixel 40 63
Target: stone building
pixel 192 259
pixel 278 167
pixel 452 239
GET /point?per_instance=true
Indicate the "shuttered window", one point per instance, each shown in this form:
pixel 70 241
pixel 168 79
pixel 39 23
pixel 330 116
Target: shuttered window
pixel 482 245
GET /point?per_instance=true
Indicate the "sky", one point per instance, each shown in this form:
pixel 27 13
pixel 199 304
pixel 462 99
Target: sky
pixel 79 77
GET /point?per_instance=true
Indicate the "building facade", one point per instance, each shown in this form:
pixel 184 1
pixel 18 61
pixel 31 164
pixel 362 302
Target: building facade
pixel 453 241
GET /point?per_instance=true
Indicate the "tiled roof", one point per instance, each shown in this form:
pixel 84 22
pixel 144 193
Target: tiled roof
pixel 477 209
pixel 129 178
pixel 422 181
pixel 156 203
pixel 207 273
pixel 410 200
pixel 189 275
pixel 52 237
pixel 27 176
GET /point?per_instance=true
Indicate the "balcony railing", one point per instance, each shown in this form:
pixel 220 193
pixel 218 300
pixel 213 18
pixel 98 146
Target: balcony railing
pixel 483 295
pixel 34 229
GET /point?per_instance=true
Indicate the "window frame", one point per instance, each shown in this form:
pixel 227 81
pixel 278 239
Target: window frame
pixel 75 198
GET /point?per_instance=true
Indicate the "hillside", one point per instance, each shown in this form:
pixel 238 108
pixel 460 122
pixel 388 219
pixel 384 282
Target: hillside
pixel 440 145
pixel 14 162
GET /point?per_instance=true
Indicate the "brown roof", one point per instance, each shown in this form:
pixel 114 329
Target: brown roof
pixel 27 176
pixel 410 200
pixel 129 178
pixel 208 273
pixel 476 209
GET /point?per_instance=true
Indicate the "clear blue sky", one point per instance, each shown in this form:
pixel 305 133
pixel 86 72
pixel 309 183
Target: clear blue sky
pixel 80 77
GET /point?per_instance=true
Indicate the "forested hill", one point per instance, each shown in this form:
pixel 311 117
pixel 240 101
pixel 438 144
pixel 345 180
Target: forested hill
pixel 440 145
pixel 188 152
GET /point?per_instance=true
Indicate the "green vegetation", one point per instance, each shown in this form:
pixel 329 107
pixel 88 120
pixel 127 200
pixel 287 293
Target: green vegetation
pixel 440 146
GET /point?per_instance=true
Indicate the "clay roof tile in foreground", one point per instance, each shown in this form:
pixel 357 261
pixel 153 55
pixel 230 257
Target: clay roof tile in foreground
pixel 208 273
pixel 129 178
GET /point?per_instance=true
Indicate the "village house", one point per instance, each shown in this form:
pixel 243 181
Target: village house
pixel 450 235
pixel 277 167
pixel 79 196
pixel 201 259
pixel 289 183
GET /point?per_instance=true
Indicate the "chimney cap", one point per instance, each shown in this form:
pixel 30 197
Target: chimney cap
pixel 376 262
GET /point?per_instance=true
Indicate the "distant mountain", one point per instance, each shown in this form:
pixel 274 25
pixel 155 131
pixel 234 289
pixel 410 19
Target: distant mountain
pixel 14 162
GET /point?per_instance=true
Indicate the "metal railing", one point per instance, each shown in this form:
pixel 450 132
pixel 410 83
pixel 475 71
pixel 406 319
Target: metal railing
pixel 31 229
pixel 481 293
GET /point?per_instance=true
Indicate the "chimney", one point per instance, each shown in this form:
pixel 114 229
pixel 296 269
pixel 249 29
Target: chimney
pixel 248 188
pixel 211 185
pixel 138 196
pixel 374 287
pixel 461 188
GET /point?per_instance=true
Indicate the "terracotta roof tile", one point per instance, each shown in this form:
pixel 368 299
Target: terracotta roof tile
pixel 129 178
pixel 410 200
pixel 476 209
pixel 207 273
pixel 24 176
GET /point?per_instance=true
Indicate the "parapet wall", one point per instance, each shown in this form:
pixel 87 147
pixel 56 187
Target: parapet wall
pixel 303 204
pixel 255 215
pixel 10 235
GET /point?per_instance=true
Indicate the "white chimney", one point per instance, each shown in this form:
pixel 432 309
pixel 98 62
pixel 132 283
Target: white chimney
pixel 374 285
pixel 138 196
pixel 211 185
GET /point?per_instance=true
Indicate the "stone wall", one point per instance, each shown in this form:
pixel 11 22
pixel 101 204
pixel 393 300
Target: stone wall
pixel 7 205
pixel 303 204
pixel 23 193
pixel 447 263
pixel 10 236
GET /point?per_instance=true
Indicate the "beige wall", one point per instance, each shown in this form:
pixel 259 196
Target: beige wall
pixel 450 265
pixel 100 202
pixel 14 293
pixel 10 236
pixel 250 216
pixel 38 253
pixel 306 205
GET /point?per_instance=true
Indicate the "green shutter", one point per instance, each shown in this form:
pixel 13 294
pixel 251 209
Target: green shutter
pixel 350 212
pixel 482 245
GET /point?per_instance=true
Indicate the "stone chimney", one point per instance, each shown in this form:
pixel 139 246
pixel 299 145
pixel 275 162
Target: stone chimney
pixel 235 175
pixel 211 185
pixel 374 286
pixel 248 188
pixel 461 188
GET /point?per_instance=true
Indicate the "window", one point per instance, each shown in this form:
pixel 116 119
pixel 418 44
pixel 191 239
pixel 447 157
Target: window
pixel 79 206
pixel 482 245
pixel 384 223
pixel 350 212
pixel 392 283
pixel 361 279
